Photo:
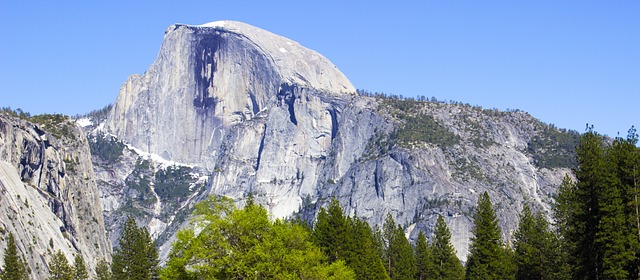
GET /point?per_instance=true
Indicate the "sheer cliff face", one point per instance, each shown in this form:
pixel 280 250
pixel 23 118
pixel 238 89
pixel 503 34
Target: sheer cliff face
pixel 264 115
pixel 48 195
pixel 211 77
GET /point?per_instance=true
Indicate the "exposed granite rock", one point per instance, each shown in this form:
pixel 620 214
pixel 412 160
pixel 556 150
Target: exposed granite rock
pixel 269 117
pixel 208 78
pixel 48 194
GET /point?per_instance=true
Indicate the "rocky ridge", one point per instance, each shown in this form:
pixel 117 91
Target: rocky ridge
pixel 48 195
pixel 286 126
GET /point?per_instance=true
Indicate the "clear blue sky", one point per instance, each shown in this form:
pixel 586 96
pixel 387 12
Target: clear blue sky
pixel 565 62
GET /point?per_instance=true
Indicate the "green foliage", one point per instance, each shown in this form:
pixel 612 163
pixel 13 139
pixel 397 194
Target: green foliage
pixel 14 266
pixel 140 179
pixel 598 215
pixel 59 268
pixel 99 115
pixel 552 147
pixel 361 251
pixel 331 231
pixel 445 262
pixel 488 258
pixel 378 145
pixel 18 113
pixel 350 240
pixel 400 260
pixel 106 147
pixel 173 183
pixel 243 243
pixel 79 268
pixel 58 125
pixel 424 260
pixel 103 271
pixel 135 257
pixel 423 128
pixel 417 127
pixel 537 251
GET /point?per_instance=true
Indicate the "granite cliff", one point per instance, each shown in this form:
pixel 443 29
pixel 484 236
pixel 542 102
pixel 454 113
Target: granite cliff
pixel 247 111
pixel 48 195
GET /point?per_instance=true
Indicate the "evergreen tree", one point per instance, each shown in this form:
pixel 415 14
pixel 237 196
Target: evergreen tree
pixel 446 264
pixel 14 267
pixel 79 268
pixel 59 268
pixel 488 259
pixel 136 256
pixel 388 231
pixel 362 254
pixel 528 243
pixel 350 240
pixel 400 259
pixel 597 215
pixel 537 249
pixel 331 232
pixel 424 260
pixel 103 271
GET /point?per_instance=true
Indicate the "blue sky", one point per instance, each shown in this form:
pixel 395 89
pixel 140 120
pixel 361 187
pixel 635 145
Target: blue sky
pixel 565 62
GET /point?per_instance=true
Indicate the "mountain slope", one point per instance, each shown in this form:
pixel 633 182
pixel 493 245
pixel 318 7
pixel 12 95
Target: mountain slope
pixel 48 194
pixel 262 116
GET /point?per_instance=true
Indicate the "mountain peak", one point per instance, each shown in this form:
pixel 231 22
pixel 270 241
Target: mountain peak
pixel 296 64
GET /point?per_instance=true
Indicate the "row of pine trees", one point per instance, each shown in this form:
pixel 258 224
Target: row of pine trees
pixel 595 235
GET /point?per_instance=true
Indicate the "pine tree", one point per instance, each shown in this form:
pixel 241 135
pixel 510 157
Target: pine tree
pixel 14 267
pixel 59 268
pixel 399 254
pixel 488 259
pixel 362 255
pixel 388 231
pixel 597 215
pixel 136 257
pixel 424 260
pixel 79 268
pixel 445 262
pixel 537 249
pixel 330 231
pixel 103 271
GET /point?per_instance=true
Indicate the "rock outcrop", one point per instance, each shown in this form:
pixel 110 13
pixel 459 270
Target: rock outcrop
pixel 208 78
pixel 266 116
pixel 48 195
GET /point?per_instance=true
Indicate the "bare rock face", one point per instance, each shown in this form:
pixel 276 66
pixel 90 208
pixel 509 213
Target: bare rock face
pixel 210 77
pixel 48 195
pixel 264 115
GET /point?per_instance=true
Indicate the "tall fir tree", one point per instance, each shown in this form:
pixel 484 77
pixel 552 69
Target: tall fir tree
pixel 136 257
pixel 537 251
pixel 350 240
pixel 424 259
pixel 14 268
pixel 528 244
pixel 331 232
pixel 79 268
pixel 103 270
pixel 362 254
pixel 446 264
pixel 399 253
pixel 597 215
pixel 488 259
pixel 59 268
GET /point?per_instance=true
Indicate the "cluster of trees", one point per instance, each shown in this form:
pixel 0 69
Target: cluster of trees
pixel 135 258
pixel 598 214
pixel 227 242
